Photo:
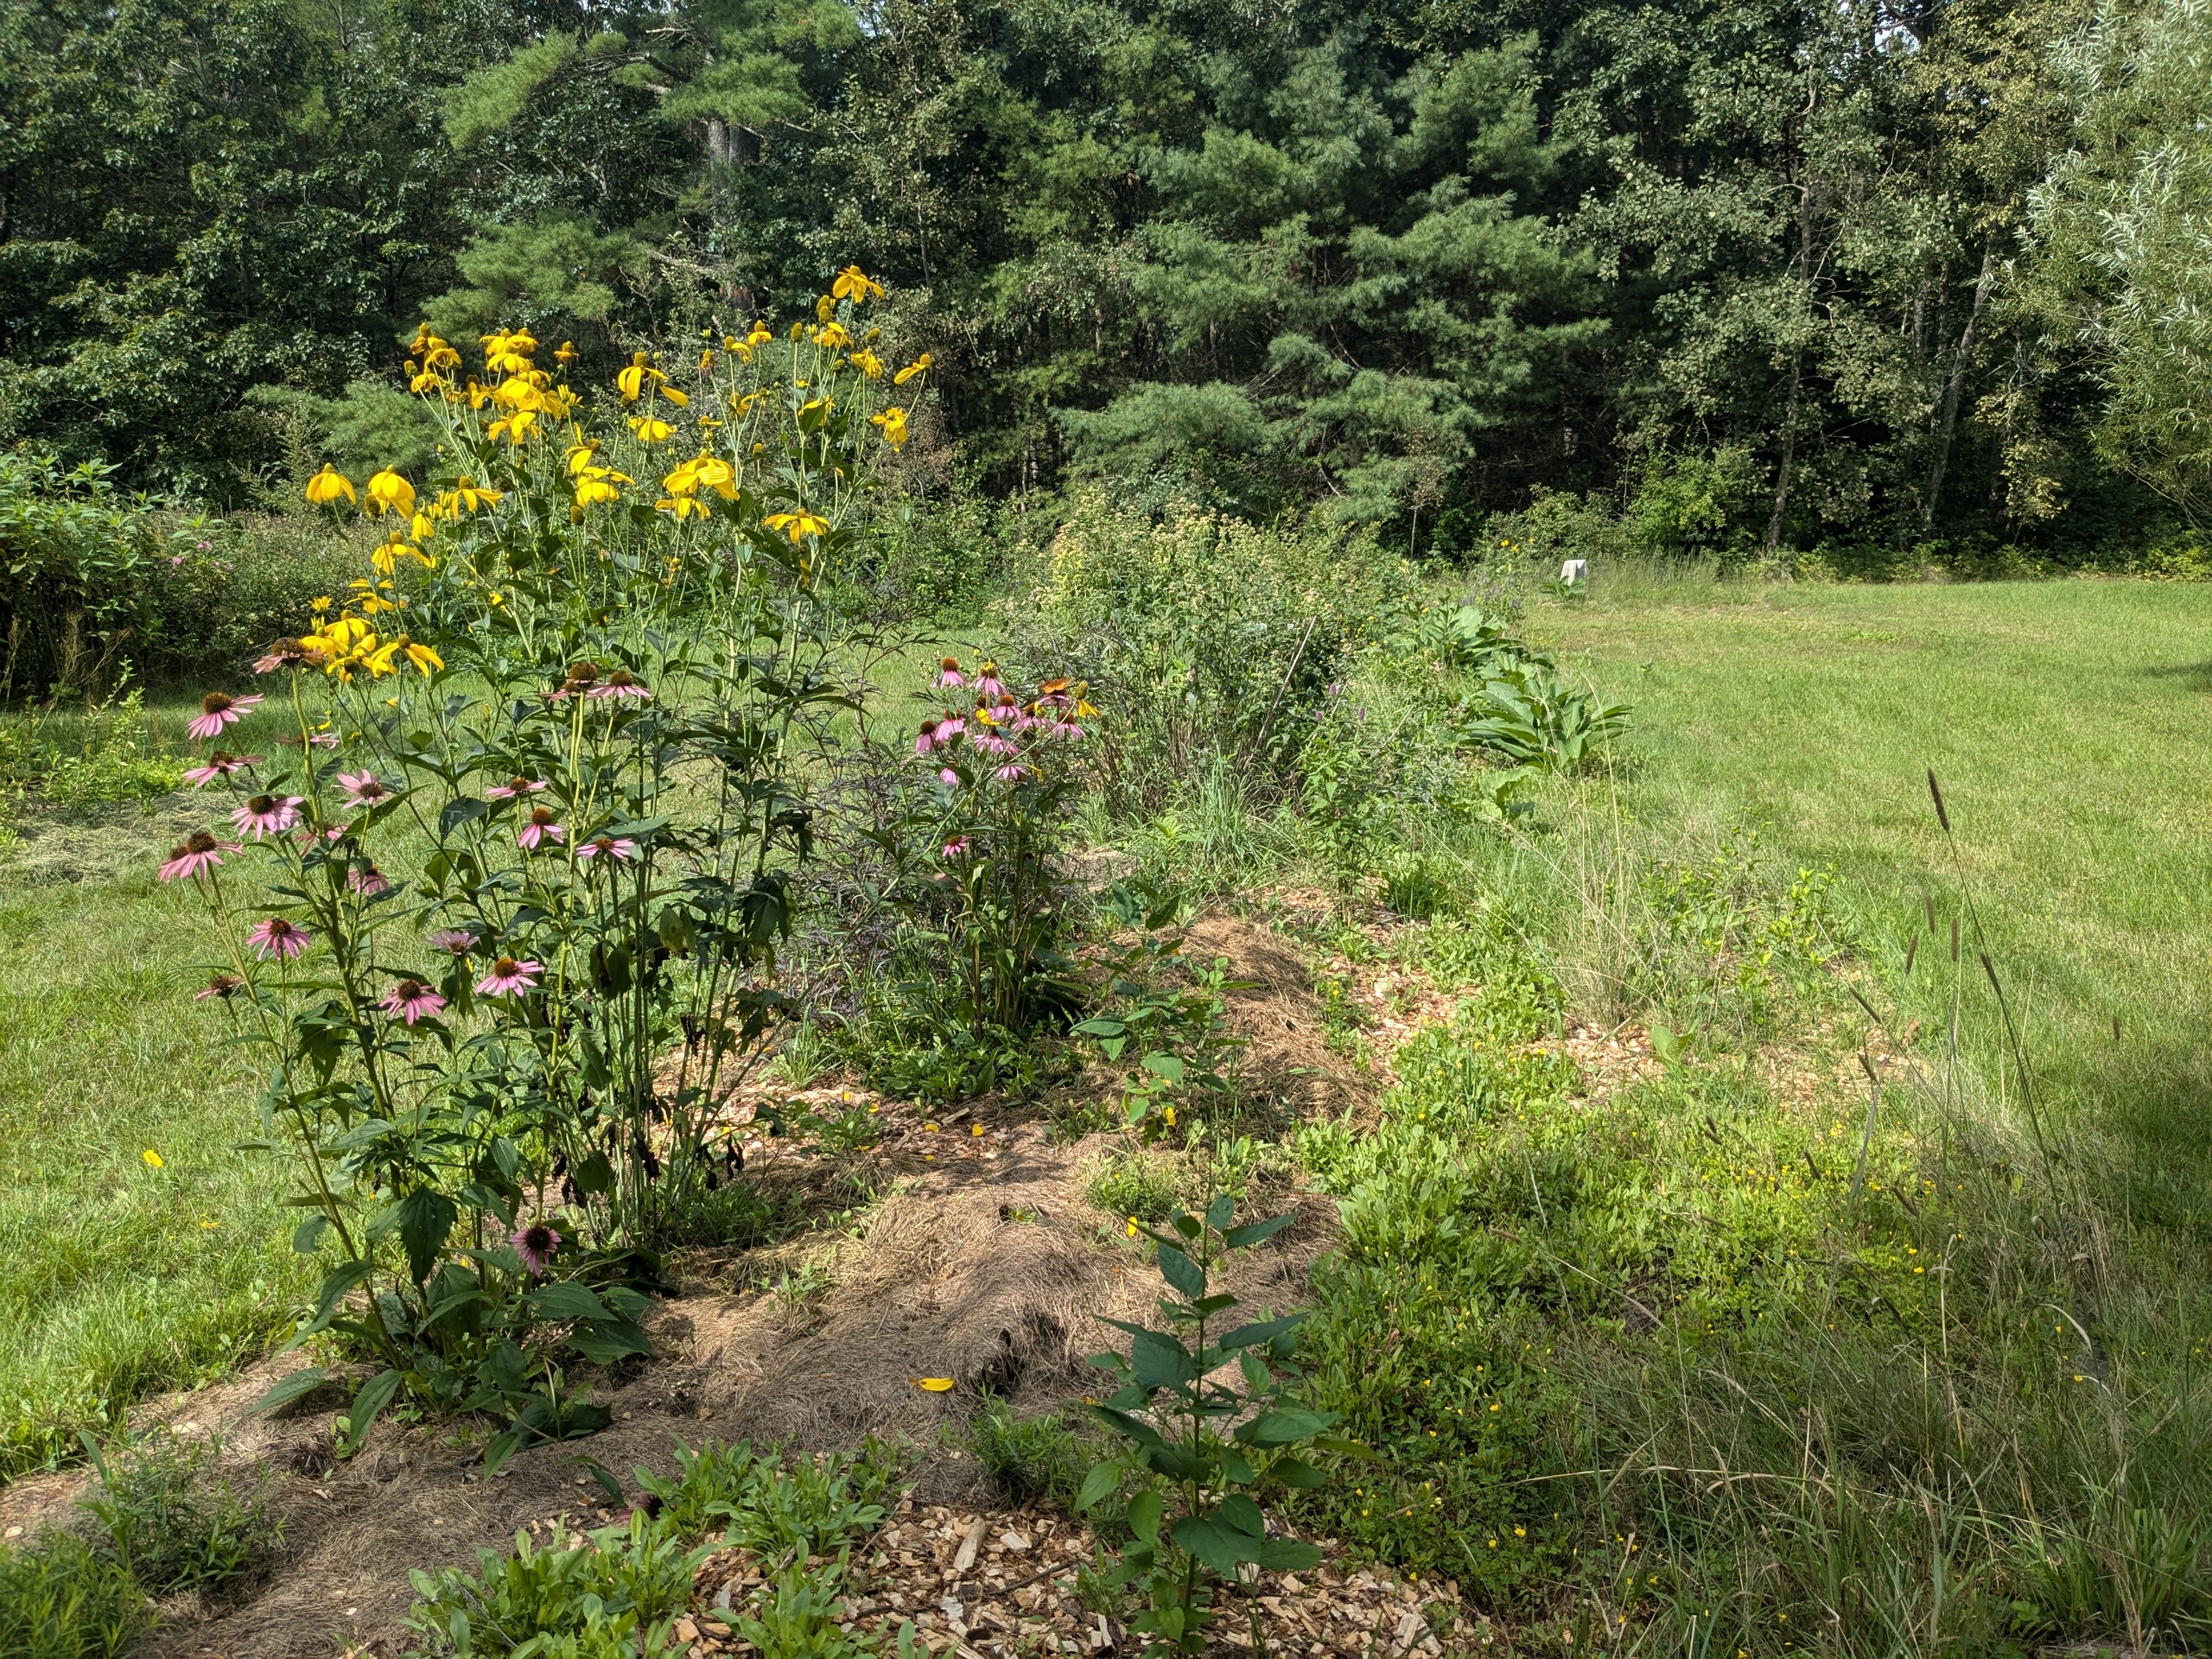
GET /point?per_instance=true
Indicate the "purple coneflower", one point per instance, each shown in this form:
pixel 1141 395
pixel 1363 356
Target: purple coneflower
pixel 947 775
pixel 536 1244
pixel 619 684
pixel 927 740
pixel 620 845
pixel 951 729
pixel 369 882
pixel 541 827
pixel 362 788
pixel 948 672
pixel 1067 728
pixel 412 999
pixel 323 740
pixel 221 764
pixel 987 684
pixel 510 978
pixel 217 711
pixel 266 815
pixel 287 653
pixel 280 938
pixel 196 856
pixel 992 744
pixel 1010 774
pixel 956 846
pixel 223 985
pixel 515 786
pixel 454 941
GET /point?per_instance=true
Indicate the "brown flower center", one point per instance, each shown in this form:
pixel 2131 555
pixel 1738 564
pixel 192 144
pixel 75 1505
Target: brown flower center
pixel 214 702
pixel 541 816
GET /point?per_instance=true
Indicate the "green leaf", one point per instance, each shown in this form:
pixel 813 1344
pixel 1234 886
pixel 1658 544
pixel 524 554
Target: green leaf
pixel 1288 1555
pixel 610 1344
pixel 1298 1473
pixel 1178 1270
pixel 1164 1065
pixel 1285 1426
pixel 458 812
pixel 566 1300
pixel 335 1283
pixel 1161 1362
pixel 1144 1517
pixel 426 1219
pixel 309 1234
pixel 1253 1232
pixel 1265 1331
pixel 376 1394
pixel 594 1175
pixel 1221 1212
pixel 299 1385
pixel 1214 1544
pixel 1098 1484
pixel 1241 1513
pixel 500 1447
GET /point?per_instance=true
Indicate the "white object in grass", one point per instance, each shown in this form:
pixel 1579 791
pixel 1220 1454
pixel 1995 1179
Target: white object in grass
pixel 1574 571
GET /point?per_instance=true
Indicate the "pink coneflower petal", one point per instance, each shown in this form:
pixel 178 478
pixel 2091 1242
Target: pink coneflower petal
pixel 948 672
pixel 196 856
pixel 987 684
pixel 927 740
pixel 279 939
pixel 224 986
pixel 541 827
pixel 363 788
pixel 412 999
pixel 619 846
pixel 369 882
pixel 1010 774
pixel 324 740
pixel 536 1244
pixel 950 728
pixel 217 711
pixel 513 787
pixel 947 775
pixel 1068 730
pixel 510 978
pixel 620 685
pixel 220 765
pixel 267 815
pixel 454 941
pixel 955 847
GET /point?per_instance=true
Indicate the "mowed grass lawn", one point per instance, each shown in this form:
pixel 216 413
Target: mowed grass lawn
pixel 2070 723
pixel 118 1278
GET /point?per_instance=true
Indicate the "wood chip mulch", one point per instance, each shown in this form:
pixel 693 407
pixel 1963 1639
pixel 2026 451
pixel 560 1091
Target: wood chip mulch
pixel 996 1585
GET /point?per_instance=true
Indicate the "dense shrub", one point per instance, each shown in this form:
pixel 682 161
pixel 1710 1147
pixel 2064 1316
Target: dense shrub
pixel 1204 637
pixel 96 585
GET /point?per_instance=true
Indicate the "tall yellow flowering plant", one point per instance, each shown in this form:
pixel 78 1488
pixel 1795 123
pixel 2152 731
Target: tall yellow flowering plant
pixel 522 886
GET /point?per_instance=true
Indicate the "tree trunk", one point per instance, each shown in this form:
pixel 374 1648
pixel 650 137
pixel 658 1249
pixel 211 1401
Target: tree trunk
pixel 1956 386
pixel 1789 455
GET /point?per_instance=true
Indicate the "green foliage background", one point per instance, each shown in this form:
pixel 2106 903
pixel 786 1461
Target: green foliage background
pixel 1732 277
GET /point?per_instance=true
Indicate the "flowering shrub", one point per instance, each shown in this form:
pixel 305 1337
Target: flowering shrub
pixel 520 879
pixel 1003 772
pixel 948 953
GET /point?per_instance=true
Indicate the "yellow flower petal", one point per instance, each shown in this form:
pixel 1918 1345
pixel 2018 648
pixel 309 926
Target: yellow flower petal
pixel 153 1158
pixel 934 1384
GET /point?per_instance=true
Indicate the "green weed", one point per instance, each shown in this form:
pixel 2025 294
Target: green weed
pixel 61 1599
pixel 173 1521
pixel 1027 1458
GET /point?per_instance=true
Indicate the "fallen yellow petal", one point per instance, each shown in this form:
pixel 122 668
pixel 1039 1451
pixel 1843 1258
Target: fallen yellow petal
pixel 153 1158
pixel 934 1384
